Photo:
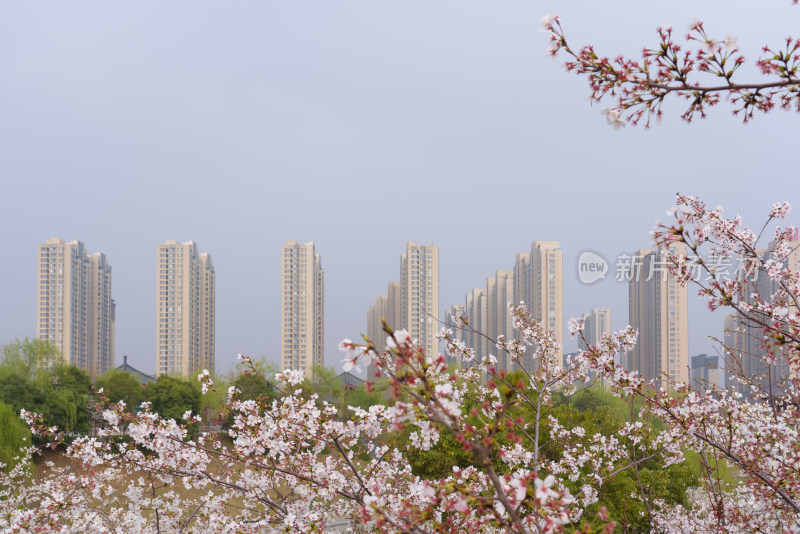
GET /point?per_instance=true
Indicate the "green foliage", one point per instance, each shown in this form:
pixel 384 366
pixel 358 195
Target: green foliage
pixel 326 384
pixel 597 411
pixel 14 435
pixel 67 403
pixel 119 385
pixel 212 403
pixel 31 353
pixel 361 398
pixel 33 376
pixel 171 397
pixel 438 462
pixel 329 388
pixel 252 386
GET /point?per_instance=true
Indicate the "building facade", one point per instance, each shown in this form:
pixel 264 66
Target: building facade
pixel 745 351
pixel 75 310
pixel 538 282
pixel 706 373
pixel 186 310
pixel 475 304
pixel 452 321
pixel 547 285
pixel 499 292
pixel 657 306
pixel 595 324
pixel 419 294
pixel 411 303
pixel 375 317
pixel 535 280
pixel 302 308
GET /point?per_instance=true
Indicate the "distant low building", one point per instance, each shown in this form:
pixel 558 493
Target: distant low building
pixel 705 371
pixel 349 380
pixel 143 378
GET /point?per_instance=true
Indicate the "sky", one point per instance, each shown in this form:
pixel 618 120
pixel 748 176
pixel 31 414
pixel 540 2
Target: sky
pixel 358 125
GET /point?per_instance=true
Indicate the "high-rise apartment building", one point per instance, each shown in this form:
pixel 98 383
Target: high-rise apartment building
pixel 452 322
pixel 419 294
pixel 499 292
pixel 705 372
pixel 75 310
pixel 412 303
pixel 744 338
pixel 185 310
pixel 522 273
pixel 657 306
pixel 595 324
pixel 487 317
pixel 375 317
pixel 546 302
pixel 394 305
pixel 377 313
pixel 386 307
pixel 538 281
pixel 476 307
pixel 535 280
pixel 302 308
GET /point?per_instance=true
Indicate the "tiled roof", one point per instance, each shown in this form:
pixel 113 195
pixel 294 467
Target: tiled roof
pixel 349 380
pixel 144 378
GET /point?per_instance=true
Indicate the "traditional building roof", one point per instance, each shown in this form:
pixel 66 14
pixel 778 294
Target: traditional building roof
pixel 349 381
pixel 144 378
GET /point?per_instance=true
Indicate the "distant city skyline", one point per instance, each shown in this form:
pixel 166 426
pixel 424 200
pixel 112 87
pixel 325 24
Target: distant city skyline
pixel 536 280
pixel 242 126
pixel 658 307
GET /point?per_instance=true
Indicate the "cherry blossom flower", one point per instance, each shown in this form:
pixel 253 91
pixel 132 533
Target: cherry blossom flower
pixel 546 24
pixel 613 118
pixel 711 47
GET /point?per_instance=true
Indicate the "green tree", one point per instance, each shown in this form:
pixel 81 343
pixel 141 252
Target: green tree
pixel 26 373
pixel 252 386
pixel 67 403
pixel 33 376
pixel 119 385
pixel 438 462
pixel 14 435
pixel 597 411
pixel 171 397
pixel 32 354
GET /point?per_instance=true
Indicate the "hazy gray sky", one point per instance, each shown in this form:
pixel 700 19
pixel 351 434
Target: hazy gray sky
pixel 359 125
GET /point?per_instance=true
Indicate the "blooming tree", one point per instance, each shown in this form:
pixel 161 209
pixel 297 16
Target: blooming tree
pixel 291 464
pixel 702 72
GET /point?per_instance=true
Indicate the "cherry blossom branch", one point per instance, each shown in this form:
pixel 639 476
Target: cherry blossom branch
pixel 639 88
